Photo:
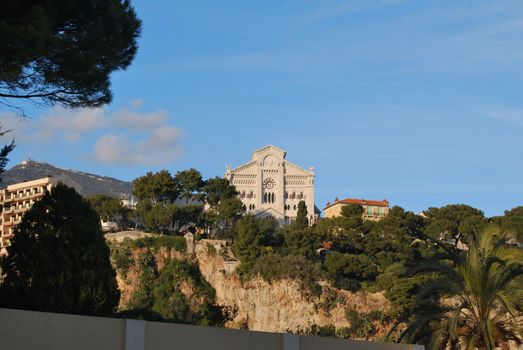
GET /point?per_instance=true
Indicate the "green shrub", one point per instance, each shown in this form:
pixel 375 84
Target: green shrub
pixel 347 284
pixel 171 242
pixel 121 257
pixel 361 326
pixel 269 266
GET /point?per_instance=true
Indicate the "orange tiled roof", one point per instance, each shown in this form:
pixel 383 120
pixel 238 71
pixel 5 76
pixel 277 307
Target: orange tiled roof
pixel 383 203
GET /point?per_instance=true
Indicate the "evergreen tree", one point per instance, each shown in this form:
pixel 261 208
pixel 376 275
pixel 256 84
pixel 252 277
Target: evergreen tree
pixel 156 194
pixel 155 188
pixel 248 241
pixel 110 209
pixel 58 260
pixel 455 223
pixel 301 216
pixel 4 152
pixel 218 189
pixel 191 183
pixel 64 51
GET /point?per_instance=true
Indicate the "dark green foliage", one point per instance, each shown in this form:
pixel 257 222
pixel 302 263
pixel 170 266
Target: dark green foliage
pixel 361 326
pixel 171 242
pixel 63 51
pixel 321 331
pixel 159 211
pixel 225 215
pixel 454 223
pixel 4 152
pixel 142 298
pixel 110 209
pixel 301 216
pixel 250 235
pixel 58 260
pixel 483 285
pixel 348 270
pixel 352 210
pixel 350 222
pixel 268 266
pixel 191 184
pixel 273 266
pixel 155 188
pixel 302 242
pixel 190 214
pixel 217 190
pixel 159 294
pixel 158 217
pixel 121 256
pixel 400 288
pixel 392 239
pixel 512 221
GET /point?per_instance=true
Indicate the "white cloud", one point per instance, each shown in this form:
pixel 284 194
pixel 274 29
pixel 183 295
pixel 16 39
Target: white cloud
pixel 124 137
pixel 136 121
pixel 59 124
pixel 159 148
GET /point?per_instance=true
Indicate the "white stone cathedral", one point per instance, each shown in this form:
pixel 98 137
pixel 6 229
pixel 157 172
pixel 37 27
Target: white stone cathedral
pixel 270 185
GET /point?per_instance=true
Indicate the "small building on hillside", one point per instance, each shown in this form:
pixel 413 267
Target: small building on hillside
pixel 372 210
pixel 15 200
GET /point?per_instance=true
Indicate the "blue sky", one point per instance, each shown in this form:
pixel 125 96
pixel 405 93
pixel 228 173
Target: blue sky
pixel 418 102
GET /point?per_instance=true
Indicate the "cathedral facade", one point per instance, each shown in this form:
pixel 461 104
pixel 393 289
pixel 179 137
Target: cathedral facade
pixel 270 185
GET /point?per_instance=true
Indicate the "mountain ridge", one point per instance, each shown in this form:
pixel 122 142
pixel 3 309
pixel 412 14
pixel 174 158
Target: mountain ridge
pixel 85 183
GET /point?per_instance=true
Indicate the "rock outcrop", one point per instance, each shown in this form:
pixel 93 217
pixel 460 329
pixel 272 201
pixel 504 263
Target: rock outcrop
pixel 281 305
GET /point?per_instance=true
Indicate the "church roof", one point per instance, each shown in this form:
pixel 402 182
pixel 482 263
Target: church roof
pixel 253 162
pixel 270 147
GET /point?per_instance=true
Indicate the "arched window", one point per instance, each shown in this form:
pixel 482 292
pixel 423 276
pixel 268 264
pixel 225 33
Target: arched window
pixel 265 197
pixel 269 161
pixel 272 199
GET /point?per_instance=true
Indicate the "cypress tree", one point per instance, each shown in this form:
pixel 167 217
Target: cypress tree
pixel 58 260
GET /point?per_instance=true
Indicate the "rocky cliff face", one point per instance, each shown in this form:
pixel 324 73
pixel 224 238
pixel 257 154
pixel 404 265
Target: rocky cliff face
pixel 277 306
pixel 280 305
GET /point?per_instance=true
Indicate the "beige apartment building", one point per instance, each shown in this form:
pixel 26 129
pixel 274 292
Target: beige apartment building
pixel 372 210
pixel 15 201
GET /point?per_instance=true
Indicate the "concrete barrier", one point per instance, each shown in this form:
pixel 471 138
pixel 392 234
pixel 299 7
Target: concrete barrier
pixel 41 330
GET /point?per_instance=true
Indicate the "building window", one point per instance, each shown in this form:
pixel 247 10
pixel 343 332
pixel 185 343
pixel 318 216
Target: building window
pixel 369 210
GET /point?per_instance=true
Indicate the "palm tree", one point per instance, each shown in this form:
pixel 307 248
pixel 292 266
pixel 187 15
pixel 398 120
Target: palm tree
pixel 476 302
